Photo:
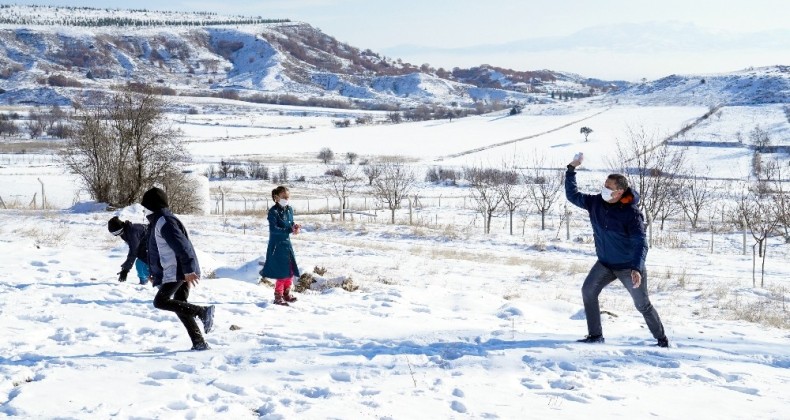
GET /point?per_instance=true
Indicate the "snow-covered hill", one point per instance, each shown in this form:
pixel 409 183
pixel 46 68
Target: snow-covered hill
pixel 747 87
pixel 54 55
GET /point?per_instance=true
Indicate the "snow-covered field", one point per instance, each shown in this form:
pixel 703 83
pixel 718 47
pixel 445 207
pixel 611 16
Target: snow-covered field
pixel 446 323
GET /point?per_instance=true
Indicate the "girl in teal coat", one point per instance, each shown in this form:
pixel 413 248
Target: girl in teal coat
pixel 280 261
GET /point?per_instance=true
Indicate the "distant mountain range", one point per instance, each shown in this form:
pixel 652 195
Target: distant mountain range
pixel 654 37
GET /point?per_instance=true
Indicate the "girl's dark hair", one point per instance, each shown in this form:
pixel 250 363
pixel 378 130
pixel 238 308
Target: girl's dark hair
pixel 277 191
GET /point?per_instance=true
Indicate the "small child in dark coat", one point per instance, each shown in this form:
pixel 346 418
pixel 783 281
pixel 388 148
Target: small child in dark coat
pixel 280 261
pixel 135 235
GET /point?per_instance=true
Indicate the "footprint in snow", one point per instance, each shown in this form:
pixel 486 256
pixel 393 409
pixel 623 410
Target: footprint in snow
pixel 568 367
pixel 183 368
pixel 161 375
pixel 341 376
pixel 110 324
pixel 38 263
pixel 369 392
pixel 422 309
pixel 530 384
pixel 458 393
pixel 458 407
pixel 565 384
pixel 178 405
pixel 566 396
pixel 743 389
pixel 233 389
pixel 700 378
pixel 314 392
pixel 727 377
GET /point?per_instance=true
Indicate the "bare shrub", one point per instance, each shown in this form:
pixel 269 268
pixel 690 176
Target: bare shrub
pixel 326 155
pixel 485 191
pixel 182 192
pixel 654 168
pixel 393 184
pixel 256 170
pixel 124 147
pixel 438 175
pixel 305 281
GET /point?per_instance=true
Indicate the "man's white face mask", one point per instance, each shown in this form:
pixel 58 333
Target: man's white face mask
pixel 147 212
pixel 606 193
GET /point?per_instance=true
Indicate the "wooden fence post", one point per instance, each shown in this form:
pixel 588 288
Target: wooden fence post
pixel 410 213
pixel 43 196
pixel 222 197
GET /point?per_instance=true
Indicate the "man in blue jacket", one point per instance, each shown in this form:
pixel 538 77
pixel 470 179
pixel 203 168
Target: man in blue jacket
pixel 174 267
pixel 621 248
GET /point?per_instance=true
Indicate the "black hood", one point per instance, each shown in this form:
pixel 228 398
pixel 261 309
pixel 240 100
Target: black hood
pixel 154 199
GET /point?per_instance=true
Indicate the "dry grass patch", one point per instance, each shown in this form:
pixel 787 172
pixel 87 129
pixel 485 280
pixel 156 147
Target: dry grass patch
pixel 53 238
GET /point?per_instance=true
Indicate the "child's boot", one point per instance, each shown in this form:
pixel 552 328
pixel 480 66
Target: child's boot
pixel 278 299
pixel 287 296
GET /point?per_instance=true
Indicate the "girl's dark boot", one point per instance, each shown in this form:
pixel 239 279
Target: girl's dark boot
pixel 287 296
pixel 278 299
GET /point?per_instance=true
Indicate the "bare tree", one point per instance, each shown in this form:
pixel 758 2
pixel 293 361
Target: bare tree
pixel 760 139
pixel 372 172
pixel 326 155
pixel 696 195
pixel 123 147
pixel 586 131
pixel 148 145
pixel 512 191
pixel 672 205
pixel 342 182
pixel 393 184
pixel 182 190
pixel 8 128
pixel 781 198
pixel 760 216
pixel 93 155
pixel 485 192
pixel 351 157
pixel 543 187
pixel 654 167
pixel 36 124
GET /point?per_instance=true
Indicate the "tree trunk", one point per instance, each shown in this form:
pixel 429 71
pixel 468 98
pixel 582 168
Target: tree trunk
pixel 393 216
pixel 542 220
pixel 754 267
pixel 511 222
pixel 762 270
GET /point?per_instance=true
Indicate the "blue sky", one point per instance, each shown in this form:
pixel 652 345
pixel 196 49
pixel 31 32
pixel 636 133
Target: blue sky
pixel 449 33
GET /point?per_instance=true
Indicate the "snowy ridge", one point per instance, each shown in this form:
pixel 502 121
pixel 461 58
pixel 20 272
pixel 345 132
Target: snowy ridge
pixel 88 16
pixel 200 53
pixel 194 61
pixel 747 87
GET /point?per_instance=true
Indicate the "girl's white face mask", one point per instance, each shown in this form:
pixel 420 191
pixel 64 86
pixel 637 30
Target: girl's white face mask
pixel 606 194
pixel 283 202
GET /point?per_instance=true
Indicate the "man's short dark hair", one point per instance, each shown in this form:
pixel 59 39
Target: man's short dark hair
pixel 619 180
